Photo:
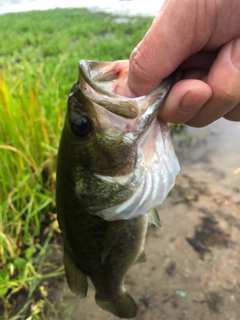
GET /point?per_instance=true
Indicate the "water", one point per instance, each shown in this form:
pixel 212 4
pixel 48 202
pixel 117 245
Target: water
pixel 214 150
pixel 133 7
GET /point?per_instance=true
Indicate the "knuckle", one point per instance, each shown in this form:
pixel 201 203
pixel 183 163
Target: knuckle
pixel 227 96
pixel 139 64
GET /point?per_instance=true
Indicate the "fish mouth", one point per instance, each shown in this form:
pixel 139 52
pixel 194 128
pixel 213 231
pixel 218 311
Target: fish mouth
pixel 135 120
pixel 97 82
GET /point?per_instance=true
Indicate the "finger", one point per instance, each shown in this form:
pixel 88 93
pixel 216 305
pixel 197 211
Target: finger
pixel 185 99
pixel 234 114
pixel 163 48
pixel 224 80
pixel 202 59
pixel 200 74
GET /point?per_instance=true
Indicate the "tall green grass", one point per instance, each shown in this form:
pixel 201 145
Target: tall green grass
pixel 28 147
pixel 39 54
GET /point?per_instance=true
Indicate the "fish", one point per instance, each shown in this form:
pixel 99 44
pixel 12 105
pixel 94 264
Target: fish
pixel 109 180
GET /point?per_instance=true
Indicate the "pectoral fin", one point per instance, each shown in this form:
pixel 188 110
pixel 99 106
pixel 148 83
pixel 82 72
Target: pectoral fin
pixel 113 231
pixel 77 281
pixel 153 217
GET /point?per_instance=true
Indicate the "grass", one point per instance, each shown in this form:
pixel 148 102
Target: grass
pixel 38 65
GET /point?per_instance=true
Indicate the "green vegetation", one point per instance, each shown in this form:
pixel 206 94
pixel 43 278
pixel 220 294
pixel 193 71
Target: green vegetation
pixel 39 54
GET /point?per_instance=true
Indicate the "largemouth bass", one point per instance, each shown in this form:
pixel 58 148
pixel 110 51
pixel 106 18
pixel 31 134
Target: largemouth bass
pixel 115 165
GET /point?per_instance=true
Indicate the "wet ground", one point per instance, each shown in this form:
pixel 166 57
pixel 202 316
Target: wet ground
pixel 193 269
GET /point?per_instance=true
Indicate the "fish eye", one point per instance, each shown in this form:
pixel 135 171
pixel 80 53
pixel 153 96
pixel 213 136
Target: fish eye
pixel 81 126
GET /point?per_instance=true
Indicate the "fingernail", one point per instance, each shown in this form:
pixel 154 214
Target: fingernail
pixel 190 103
pixel 236 53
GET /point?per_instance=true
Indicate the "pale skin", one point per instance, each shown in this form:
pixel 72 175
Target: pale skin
pixel 202 39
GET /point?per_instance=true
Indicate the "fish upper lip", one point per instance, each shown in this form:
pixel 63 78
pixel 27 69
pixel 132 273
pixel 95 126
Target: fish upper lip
pixel 120 105
pixel 129 108
pixel 85 68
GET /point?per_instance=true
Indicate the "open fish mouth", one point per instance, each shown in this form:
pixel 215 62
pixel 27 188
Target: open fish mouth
pixel 156 165
pixel 99 82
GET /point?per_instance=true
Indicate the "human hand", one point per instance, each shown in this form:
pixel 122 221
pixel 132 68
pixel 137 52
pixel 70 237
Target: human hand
pixel 202 38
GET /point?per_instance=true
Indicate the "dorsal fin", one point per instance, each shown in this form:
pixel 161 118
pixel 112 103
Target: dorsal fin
pixel 113 231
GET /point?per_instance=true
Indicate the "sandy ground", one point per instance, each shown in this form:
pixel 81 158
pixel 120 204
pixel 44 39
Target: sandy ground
pixel 192 270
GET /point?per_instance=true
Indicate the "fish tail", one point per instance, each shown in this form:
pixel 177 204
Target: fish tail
pixel 123 306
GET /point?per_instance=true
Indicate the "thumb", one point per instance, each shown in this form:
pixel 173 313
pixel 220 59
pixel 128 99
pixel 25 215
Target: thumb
pixel 180 29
